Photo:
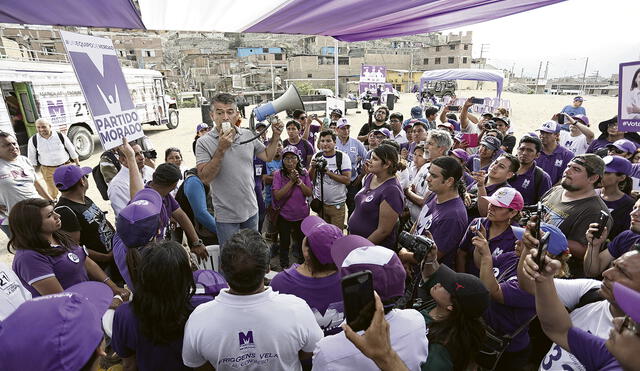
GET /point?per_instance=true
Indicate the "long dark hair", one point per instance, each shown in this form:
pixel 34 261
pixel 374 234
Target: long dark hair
pixel 25 223
pixel 451 168
pixel 634 84
pixel 461 335
pixel 163 289
pixel 388 155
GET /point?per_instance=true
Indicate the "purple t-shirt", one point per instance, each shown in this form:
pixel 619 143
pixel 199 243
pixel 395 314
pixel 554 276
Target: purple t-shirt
pixel 128 340
pixel 555 163
pixel 295 207
pixel 518 307
pixel 620 211
pixel 623 243
pixel 68 267
pixel 591 351
pixel 169 205
pixel 447 223
pixel 468 179
pixel 305 148
pixel 120 257
pixel 526 185
pixel 323 295
pixel 502 243
pixel 597 144
pixel 364 219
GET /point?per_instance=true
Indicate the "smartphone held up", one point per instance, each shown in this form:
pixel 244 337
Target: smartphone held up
pixel 358 298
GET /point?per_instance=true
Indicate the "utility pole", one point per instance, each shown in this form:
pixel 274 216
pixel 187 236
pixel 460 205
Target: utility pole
pixel 512 67
pixel 584 74
pixel 273 93
pixel 335 62
pixel 410 82
pixel 482 63
pixel 535 87
pixel 522 72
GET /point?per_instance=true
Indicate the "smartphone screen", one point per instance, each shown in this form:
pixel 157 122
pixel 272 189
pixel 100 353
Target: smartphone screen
pixel 602 222
pixel 478 225
pixel 359 303
pixel 454 108
pixel 477 100
pixel 476 164
pixel 561 118
pixel 542 251
pixel 471 139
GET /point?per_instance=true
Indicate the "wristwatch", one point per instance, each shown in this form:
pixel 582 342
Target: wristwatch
pixel 197 243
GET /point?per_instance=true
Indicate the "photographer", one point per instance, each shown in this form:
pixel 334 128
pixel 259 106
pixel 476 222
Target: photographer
pixel 331 173
pixel 379 121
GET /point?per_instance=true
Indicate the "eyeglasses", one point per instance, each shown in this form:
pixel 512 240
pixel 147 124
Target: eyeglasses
pixel 617 151
pixel 303 117
pixel 290 159
pixel 629 324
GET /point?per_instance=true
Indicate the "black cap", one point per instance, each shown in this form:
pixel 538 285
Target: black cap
pixel 468 290
pixel 166 174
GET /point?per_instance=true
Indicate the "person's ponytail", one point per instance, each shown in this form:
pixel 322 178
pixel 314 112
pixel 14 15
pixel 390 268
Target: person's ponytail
pixel 133 259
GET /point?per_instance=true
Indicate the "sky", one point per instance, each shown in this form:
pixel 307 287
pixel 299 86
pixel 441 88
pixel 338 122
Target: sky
pixel 565 34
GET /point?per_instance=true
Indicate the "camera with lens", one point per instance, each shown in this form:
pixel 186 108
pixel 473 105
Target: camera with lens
pixel 320 164
pixel 418 245
pixel 367 102
pixel 150 154
pixel 531 210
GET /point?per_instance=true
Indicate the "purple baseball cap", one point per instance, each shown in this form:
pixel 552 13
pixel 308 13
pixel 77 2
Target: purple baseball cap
pixel 617 164
pixel 558 244
pixel 583 118
pixel 383 131
pixel 550 127
pixel 624 145
pixel 461 154
pixel 202 126
pixel 209 282
pixel 291 149
pixel 342 122
pixel 67 176
pixel 320 236
pixel 491 142
pixel 354 253
pixel 55 332
pixel 468 290
pixel 139 221
pixel 628 300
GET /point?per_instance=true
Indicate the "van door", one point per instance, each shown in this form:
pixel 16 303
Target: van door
pixel 24 92
pixel 161 105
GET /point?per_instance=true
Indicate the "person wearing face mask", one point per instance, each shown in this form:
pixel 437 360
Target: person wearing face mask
pixel 227 166
pixel 380 117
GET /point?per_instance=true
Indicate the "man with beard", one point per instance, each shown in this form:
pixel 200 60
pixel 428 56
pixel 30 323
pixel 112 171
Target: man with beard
pixel 531 181
pixel 379 122
pixel 594 262
pixel 574 205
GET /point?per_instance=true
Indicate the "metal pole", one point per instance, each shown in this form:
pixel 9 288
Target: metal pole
pixel 410 83
pixel 273 93
pixel 535 86
pixel 584 75
pixel 335 62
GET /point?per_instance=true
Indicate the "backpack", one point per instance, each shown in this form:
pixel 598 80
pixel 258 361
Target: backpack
pixel 34 141
pixel 98 178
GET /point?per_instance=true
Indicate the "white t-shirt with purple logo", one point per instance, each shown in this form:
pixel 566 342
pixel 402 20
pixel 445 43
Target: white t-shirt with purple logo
pixel 578 144
pixel 263 331
pixel 335 193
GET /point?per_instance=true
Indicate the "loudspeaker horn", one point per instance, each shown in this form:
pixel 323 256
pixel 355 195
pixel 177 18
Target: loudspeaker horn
pixel 290 100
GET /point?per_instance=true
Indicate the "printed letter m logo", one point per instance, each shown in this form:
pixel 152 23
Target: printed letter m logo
pixel 245 339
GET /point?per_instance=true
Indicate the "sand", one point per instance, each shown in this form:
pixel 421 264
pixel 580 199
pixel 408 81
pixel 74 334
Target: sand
pixel 528 113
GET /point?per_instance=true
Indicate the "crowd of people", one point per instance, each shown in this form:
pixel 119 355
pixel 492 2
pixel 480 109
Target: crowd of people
pixel 478 243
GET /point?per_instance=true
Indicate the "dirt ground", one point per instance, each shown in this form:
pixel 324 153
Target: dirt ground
pixel 528 112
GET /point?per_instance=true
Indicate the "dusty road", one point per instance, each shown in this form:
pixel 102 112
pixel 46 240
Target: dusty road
pixel 528 113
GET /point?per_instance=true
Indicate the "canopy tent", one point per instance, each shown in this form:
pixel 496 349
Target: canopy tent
pixel 345 20
pixel 464 74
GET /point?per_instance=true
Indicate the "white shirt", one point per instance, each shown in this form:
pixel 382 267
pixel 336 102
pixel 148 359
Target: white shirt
pixel 408 334
pixel 595 318
pixel 12 293
pixel 578 144
pixel 420 181
pixel 118 190
pixel 17 182
pixel 263 331
pixel 334 192
pixel 51 152
pixel 401 137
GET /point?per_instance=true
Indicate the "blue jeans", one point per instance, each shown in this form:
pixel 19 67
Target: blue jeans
pixel 226 230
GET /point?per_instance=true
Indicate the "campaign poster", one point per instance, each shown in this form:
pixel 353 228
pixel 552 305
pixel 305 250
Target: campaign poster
pixel 373 87
pixel 369 73
pixel 103 85
pixel 629 97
